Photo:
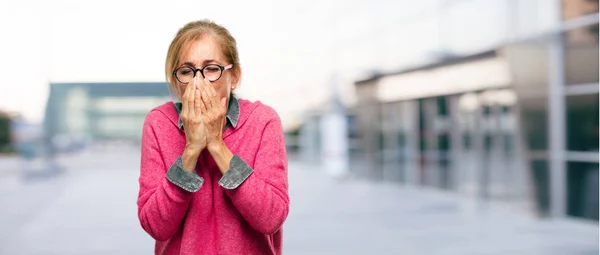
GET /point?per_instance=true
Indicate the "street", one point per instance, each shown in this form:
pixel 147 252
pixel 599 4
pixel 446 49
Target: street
pixel 91 209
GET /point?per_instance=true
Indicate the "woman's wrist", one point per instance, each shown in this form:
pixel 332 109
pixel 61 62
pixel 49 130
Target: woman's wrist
pixel 221 153
pixel 215 146
pixel 193 148
pixel 190 158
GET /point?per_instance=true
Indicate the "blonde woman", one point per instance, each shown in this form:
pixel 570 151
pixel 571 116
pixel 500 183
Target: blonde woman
pixel 213 176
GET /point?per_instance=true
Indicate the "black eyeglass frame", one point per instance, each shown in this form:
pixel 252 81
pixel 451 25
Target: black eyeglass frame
pixel 195 70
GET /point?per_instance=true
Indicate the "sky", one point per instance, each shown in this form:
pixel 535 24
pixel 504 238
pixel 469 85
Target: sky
pixel 122 41
pixel 289 50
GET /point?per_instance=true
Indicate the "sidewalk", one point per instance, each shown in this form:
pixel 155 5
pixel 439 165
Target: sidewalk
pixel 362 217
pixel 90 209
pixel 9 164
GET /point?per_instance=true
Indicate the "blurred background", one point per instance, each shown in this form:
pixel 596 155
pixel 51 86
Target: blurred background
pixel 412 127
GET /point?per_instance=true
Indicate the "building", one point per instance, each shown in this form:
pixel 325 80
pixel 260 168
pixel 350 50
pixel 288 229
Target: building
pixel 515 122
pixel 444 126
pixel 78 112
pixel 310 139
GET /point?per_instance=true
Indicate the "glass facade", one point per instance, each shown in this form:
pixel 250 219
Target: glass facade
pixel 582 122
pixel 534 112
pixel 493 143
pixel 581 112
pixel 121 117
pixel 101 110
pixel 517 137
pixel 468 143
pixel 582 190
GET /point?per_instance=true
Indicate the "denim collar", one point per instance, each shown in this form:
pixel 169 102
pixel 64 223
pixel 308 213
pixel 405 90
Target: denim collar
pixel 233 112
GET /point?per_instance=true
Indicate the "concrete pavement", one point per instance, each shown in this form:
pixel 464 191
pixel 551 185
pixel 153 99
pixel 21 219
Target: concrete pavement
pixel 360 217
pixel 91 209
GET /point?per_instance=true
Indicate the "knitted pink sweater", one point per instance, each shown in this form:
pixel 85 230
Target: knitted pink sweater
pixel 215 220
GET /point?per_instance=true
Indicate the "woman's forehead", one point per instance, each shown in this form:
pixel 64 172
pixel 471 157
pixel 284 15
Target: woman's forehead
pixel 202 50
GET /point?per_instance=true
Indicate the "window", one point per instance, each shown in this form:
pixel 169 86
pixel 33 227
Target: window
pixel 443 142
pixel 581 56
pixel 534 113
pixel 541 180
pixel 467 141
pixel 442 106
pixel 582 122
pixel 582 190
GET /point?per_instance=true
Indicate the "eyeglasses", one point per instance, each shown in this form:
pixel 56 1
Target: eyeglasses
pixel 212 72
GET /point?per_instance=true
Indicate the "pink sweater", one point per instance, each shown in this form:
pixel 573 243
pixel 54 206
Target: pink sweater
pixel 215 220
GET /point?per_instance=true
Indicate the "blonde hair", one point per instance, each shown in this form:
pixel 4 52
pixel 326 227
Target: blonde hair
pixel 193 31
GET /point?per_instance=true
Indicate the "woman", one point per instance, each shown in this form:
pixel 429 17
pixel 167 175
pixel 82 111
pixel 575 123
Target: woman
pixel 213 167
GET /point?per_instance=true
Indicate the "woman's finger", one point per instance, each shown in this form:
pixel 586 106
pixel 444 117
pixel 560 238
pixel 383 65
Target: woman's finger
pixel 207 101
pixel 213 96
pixel 190 95
pixel 184 101
pixel 211 90
pixel 197 100
pixel 203 107
pixel 224 102
pixel 206 96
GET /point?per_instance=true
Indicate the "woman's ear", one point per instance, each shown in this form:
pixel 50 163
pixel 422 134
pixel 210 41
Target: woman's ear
pixel 237 75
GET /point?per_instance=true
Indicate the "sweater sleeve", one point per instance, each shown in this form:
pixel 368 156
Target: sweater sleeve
pixel 161 203
pixel 262 198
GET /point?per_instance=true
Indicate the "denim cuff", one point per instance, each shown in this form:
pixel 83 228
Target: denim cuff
pixel 238 172
pixel 189 181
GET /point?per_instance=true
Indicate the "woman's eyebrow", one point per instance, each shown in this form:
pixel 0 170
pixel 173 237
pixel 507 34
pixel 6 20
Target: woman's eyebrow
pixel 204 63
pixel 208 61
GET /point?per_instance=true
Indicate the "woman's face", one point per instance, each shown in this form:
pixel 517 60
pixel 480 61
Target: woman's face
pixel 202 52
